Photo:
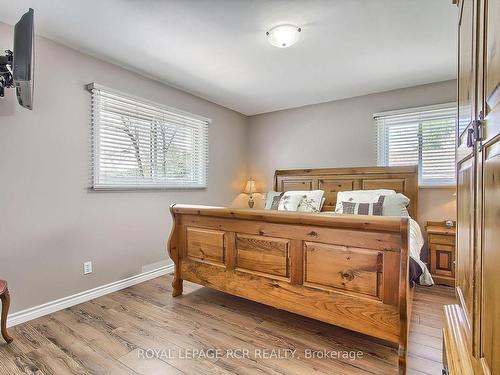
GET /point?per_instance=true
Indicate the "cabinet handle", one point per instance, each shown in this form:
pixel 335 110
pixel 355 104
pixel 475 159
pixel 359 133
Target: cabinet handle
pixel 474 132
pixel 470 137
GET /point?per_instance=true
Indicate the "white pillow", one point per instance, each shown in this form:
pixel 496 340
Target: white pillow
pixel 312 201
pixel 360 196
pixel 289 202
pixel 302 201
pixel 395 205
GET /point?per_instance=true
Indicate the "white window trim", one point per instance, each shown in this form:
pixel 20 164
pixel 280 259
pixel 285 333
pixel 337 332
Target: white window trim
pixel 411 110
pixel 95 139
pixel 406 111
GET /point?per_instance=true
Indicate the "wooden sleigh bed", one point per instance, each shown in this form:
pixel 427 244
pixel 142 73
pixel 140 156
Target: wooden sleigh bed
pixel 346 270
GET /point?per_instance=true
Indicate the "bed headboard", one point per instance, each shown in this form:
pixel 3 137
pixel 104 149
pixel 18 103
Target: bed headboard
pixel 332 180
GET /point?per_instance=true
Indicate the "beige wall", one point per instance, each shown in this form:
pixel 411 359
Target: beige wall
pixel 50 222
pixel 340 134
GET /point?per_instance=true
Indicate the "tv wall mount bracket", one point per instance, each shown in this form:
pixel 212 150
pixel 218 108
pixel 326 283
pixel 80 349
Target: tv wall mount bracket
pixel 6 79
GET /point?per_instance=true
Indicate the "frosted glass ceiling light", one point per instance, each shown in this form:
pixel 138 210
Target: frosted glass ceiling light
pixel 283 36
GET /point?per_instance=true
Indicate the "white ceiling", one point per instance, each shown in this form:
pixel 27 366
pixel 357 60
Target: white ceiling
pixel 217 49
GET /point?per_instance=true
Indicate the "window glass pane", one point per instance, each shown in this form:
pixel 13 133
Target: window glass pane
pixel 425 137
pixel 142 144
pixel 402 143
pixel 438 151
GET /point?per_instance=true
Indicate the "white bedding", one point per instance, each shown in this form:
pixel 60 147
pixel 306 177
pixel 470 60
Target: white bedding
pixel 416 244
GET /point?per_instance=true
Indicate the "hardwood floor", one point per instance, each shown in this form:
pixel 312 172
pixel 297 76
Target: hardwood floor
pixel 143 330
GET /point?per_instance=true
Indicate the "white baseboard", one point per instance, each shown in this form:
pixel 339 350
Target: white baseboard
pixel 156 265
pixel 63 303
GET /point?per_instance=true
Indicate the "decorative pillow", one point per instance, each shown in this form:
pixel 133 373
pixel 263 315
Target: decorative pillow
pixel 360 196
pixel 307 201
pixel 395 205
pixel 290 201
pixel 312 201
pixel 273 200
pixel 357 208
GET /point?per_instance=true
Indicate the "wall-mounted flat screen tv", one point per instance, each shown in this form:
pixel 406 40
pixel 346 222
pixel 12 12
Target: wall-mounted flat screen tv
pixel 24 59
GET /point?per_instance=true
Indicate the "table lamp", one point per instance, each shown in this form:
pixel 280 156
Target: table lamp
pixel 250 189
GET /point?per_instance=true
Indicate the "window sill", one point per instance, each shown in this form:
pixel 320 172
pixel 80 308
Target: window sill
pixel 437 186
pixel 145 188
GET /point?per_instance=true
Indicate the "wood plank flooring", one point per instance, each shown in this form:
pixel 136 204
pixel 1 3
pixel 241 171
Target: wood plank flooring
pixel 143 330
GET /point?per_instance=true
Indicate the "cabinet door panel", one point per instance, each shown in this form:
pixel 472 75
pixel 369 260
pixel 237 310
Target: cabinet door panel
pixel 491 257
pixel 466 77
pixel 444 262
pixel 492 56
pixel 465 233
pixel 478 179
pixel 489 158
pixel 466 160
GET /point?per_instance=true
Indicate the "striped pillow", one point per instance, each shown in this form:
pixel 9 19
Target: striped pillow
pixel 356 208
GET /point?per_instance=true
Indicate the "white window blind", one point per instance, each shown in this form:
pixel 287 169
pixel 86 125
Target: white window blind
pixel 141 144
pixel 423 136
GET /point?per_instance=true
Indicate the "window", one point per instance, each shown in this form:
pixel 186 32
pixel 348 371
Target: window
pixel 423 136
pixel 140 144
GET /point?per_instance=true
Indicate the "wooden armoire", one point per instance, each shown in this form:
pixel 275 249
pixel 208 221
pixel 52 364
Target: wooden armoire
pixel 472 332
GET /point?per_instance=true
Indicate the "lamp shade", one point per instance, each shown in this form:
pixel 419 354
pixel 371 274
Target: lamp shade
pixel 250 187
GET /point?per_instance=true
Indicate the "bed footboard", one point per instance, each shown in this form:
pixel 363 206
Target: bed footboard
pixel 350 271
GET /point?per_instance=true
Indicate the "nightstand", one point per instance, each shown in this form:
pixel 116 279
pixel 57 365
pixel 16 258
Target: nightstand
pixel 441 243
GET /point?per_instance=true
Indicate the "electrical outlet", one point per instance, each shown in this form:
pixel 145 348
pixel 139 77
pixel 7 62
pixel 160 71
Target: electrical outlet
pixel 87 268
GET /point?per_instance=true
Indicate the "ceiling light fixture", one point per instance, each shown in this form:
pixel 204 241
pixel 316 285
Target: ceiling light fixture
pixel 283 36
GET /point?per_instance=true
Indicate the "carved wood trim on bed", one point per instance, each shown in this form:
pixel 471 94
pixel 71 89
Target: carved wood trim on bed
pixel 347 270
pixel 332 180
